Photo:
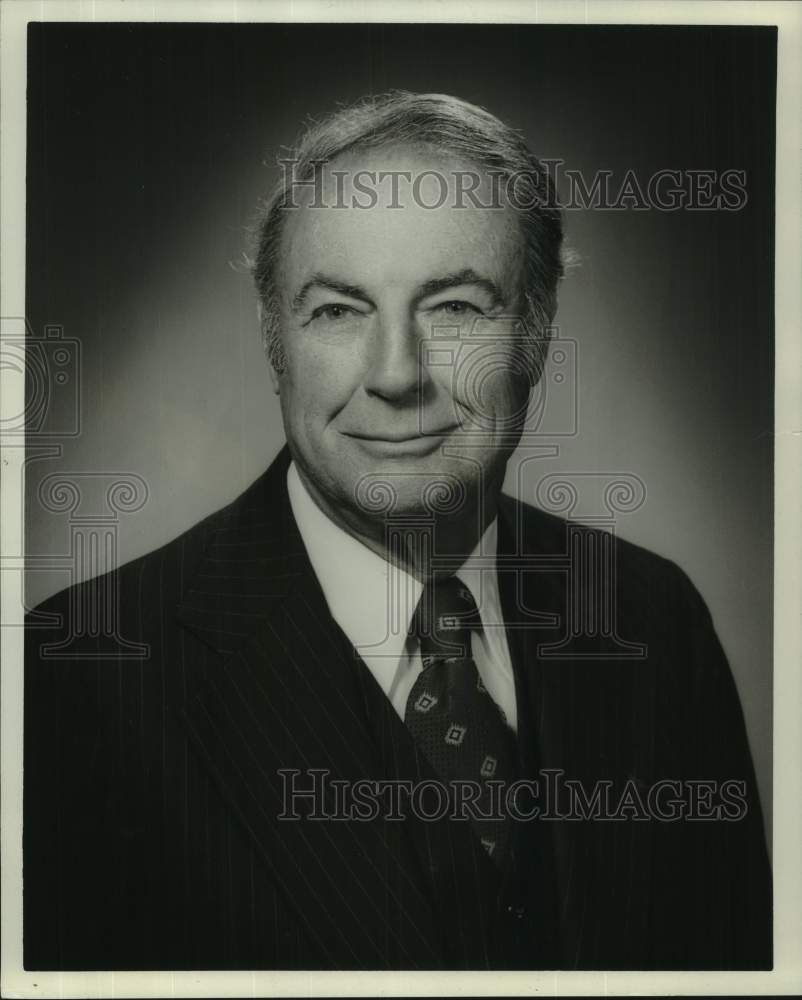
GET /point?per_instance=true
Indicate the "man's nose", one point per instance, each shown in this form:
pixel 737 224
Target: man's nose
pixel 393 370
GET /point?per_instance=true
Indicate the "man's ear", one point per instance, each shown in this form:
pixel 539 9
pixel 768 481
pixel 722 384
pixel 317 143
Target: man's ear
pixel 274 378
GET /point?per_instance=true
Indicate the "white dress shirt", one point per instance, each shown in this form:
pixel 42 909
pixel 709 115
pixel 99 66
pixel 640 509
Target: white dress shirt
pixel 373 602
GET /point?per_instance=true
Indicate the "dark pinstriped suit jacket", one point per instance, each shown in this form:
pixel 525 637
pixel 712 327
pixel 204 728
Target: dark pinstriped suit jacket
pixel 152 785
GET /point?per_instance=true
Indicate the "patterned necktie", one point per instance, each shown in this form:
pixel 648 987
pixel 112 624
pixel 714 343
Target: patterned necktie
pixel 455 722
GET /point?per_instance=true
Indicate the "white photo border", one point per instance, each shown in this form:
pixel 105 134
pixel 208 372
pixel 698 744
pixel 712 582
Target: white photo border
pixel 786 977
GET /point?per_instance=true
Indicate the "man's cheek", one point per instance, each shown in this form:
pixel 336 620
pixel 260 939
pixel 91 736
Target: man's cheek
pixel 490 383
pixel 306 377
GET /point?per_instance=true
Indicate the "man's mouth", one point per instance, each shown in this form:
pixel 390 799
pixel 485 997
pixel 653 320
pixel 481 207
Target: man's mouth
pixel 396 437
pixel 387 443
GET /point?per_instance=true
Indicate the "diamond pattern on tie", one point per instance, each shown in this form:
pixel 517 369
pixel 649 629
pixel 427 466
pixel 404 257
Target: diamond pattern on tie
pixel 455 734
pixel 425 702
pixel 453 718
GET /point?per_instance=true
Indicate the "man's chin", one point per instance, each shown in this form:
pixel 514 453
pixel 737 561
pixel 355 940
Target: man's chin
pixel 417 486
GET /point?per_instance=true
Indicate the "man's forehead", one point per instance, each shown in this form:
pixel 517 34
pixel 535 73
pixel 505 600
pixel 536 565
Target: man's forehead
pixel 403 208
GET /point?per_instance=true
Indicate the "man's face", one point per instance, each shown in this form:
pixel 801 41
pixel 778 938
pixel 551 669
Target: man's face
pixel 403 354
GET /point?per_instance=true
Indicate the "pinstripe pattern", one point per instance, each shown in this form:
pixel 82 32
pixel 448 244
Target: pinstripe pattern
pixel 152 786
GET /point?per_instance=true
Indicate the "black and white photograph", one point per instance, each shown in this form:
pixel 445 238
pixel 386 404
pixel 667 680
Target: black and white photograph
pixel 397 462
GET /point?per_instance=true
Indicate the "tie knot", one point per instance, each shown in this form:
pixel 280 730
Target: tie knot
pixel 443 619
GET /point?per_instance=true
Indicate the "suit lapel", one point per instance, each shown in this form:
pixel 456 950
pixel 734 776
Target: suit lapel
pixel 584 720
pixel 532 606
pixel 531 603
pixel 266 689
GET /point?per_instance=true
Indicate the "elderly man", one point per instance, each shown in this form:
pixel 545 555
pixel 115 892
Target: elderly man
pixel 360 733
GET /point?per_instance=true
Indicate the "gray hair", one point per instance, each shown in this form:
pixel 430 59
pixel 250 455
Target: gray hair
pixel 446 125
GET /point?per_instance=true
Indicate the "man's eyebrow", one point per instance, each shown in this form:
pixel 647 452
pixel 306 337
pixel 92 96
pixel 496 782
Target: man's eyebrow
pixel 467 276
pixel 319 280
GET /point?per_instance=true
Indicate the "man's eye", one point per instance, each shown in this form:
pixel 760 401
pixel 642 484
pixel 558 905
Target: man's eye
pixel 333 311
pixel 456 307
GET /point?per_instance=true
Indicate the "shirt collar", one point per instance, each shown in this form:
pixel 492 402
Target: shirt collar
pixel 372 600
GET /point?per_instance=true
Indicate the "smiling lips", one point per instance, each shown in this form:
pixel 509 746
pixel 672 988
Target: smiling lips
pixel 395 442
pixel 401 438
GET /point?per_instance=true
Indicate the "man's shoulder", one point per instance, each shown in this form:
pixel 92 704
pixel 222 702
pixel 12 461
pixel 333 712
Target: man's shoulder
pixel 106 640
pixel 163 572
pixel 565 544
pixel 538 530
